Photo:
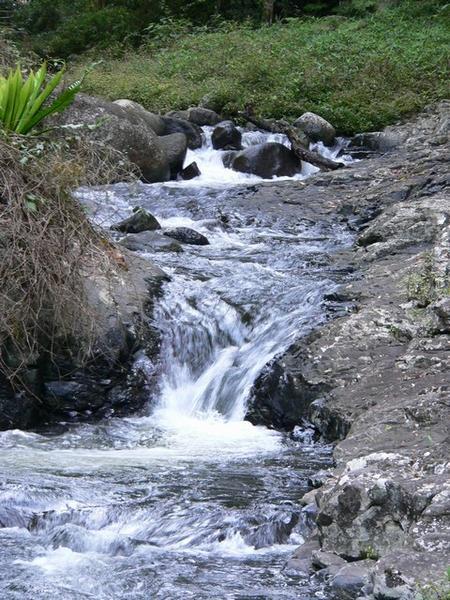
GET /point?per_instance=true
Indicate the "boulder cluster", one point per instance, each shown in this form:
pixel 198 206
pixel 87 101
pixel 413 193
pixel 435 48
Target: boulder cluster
pixel 157 144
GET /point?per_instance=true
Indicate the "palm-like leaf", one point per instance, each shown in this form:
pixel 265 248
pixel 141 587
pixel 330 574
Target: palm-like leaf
pixel 23 102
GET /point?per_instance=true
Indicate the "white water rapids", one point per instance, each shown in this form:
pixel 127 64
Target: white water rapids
pixel 188 500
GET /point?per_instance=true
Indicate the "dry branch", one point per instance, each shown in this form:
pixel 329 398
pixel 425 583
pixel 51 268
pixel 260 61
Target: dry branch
pixel 297 139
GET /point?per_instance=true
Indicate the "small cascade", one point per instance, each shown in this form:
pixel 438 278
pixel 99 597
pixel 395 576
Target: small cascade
pixel 213 172
pixel 190 501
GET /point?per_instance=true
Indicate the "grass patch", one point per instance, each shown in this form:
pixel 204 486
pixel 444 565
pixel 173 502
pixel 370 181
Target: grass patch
pixel 359 73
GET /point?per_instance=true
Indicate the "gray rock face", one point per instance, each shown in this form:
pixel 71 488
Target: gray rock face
pixel 376 140
pixel 265 160
pixel 121 302
pixel 187 236
pixel 120 128
pixel 316 128
pixel 375 378
pixel 226 136
pixel 351 579
pixel 192 132
pixel 277 399
pixel 136 113
pixel 140 220
pixel 175 147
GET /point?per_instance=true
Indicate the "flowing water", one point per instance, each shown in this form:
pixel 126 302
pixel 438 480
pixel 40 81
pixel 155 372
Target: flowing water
pixel 191 500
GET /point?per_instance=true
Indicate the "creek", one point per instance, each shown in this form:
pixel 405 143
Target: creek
pixel 189 500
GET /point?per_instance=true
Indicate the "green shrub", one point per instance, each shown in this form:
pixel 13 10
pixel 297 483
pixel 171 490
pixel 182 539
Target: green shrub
pixel 78 33
pixel 360 74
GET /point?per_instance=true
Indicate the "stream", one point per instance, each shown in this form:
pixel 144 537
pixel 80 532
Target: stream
pixel 189 500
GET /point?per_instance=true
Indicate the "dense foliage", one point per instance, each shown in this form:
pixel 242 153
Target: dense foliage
pixel 60 28
pixel 360 73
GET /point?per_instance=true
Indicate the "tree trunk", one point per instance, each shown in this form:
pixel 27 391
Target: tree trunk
pixel 267 11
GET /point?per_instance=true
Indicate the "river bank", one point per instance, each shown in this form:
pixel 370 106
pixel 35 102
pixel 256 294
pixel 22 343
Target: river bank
pixel 377 378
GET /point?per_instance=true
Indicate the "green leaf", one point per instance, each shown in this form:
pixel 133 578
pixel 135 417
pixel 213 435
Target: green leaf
pixel 23 103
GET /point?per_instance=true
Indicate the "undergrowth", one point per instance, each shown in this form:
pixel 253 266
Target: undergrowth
pixel 359 73
pixel 47 249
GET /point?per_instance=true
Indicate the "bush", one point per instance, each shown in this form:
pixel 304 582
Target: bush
pixel 360 74
pixel 78 33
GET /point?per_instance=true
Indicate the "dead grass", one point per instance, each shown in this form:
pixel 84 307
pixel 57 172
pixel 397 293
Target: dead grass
pixel 46 242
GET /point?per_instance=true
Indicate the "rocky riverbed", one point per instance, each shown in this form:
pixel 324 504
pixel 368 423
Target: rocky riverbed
pixel 377 378
pixel 318 309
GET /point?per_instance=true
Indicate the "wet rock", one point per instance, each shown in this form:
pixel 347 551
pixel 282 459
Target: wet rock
pixel 227 159
pixel 300 562
pixel 78 396
pixel 150 241
pixel 17 410
pixel 139 221
pixel 226 136
pixel 175 147
pixel 123 129
pixel 185 235
pixel 192 132
pixel 265 160
pixel 190 172
pixel 276 531
pixel 316 128
pixel 136 112
pixel 281 396
pixel 121 301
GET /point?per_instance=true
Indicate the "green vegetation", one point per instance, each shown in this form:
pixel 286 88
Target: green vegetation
pixel 437 591
pixel 359 73
pixel 421 286
pixel 23 100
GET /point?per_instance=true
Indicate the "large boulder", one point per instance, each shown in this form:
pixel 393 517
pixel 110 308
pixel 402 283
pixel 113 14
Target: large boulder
pixel 175 147
pixel 197 114
pixel 192 132
pixel 316 128
pixel 136 112
pixel 226 136
pixel 117 378
pixel 121 129
pixel 265 160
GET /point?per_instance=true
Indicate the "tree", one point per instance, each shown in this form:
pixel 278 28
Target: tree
pixel 267 11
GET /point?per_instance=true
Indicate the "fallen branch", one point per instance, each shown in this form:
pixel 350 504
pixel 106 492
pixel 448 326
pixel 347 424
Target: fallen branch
pixel 299 142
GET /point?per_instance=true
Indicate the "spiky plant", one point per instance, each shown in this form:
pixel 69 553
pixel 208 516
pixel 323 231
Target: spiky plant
pixel 24 101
